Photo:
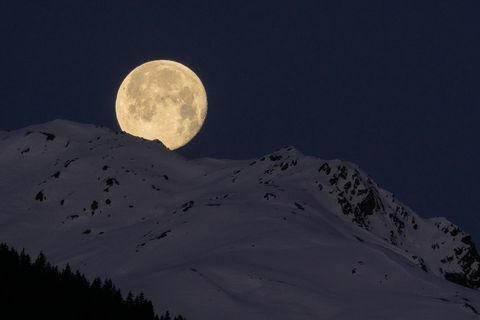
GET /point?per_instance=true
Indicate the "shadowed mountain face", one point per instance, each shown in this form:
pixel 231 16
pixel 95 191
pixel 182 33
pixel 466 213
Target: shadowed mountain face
pixel 284 236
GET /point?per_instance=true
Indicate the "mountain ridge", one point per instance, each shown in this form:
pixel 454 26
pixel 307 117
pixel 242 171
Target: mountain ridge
pixel 107 202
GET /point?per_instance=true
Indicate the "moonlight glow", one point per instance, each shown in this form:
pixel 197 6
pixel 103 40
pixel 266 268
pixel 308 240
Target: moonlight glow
pixel 162 100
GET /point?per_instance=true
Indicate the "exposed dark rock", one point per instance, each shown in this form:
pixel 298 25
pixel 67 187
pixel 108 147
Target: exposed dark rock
pixel 467 240
pixel 359 239
pixel 110 182
pixel 163 235
pixel 49 136
pixel 455 231
pixel 343 172
pixel 325 167
pixel 368 204
pixel 469 306
pixel 269 195
pixel 421 262
pixel 187 205
pixel 68 162
pixel 333 180
pixel 40 196
pixel 299 206
pixel 275 157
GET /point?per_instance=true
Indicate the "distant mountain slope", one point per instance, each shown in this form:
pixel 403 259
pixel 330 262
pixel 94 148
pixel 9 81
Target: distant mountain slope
pixel 284 236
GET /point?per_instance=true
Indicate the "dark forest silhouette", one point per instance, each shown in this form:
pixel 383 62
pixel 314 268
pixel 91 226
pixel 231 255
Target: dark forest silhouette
pixel 38 290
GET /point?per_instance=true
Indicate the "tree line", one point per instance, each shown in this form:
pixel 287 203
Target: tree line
pixel 36 289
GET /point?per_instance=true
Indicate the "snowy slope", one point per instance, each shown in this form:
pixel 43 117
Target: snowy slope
pixel 284 236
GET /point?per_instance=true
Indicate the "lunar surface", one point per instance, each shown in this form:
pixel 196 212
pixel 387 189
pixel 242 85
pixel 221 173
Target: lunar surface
pixel 162 100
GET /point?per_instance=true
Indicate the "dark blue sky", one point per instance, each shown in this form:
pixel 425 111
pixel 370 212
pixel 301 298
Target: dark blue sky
pixel 391 86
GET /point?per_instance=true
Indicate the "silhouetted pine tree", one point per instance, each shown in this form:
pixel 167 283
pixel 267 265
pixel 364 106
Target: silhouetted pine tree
pixel 39 290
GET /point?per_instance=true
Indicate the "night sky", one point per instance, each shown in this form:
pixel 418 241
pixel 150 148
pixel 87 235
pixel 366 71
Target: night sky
pixel 393 87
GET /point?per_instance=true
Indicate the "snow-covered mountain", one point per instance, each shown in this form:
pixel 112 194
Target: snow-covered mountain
pixel 284 236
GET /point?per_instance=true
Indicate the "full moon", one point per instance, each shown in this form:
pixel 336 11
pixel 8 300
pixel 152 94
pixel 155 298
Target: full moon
pixel 162 100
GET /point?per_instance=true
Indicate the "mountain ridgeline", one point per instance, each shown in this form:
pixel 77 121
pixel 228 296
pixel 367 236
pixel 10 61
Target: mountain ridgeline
pixel 283 236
